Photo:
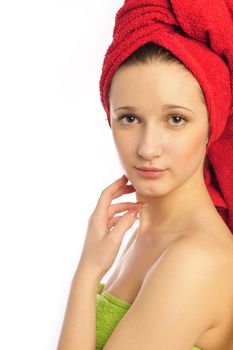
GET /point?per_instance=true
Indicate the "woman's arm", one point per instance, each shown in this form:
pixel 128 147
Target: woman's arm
pixel 103 239
pixel 118 267
pixel 79 325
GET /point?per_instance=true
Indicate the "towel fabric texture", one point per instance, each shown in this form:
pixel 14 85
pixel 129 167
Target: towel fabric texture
pixel 200 34
pixel 109 311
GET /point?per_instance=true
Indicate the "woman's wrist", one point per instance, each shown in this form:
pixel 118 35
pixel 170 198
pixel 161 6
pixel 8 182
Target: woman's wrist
pixel 86 273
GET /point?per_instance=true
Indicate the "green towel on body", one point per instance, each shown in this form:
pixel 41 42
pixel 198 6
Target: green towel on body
pixel 109 312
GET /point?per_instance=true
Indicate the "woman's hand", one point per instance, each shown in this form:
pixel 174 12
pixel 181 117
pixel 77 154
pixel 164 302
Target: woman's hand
pixel 105 231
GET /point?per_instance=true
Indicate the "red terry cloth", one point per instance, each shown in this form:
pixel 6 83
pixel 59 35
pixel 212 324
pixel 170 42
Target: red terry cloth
pixel 200 34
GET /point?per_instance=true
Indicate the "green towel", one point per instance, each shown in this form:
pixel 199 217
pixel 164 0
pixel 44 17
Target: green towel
pixel 109 312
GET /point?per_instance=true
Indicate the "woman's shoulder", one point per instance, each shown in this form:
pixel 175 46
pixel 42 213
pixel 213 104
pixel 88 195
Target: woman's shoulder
pixel 201 247
pixel 209 255
pixel 216 243
pixel 213 247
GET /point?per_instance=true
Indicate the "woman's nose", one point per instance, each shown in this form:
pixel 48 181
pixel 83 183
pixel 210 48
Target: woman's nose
pixel 150 143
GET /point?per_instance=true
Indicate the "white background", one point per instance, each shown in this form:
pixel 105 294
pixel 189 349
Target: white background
pixel 56 156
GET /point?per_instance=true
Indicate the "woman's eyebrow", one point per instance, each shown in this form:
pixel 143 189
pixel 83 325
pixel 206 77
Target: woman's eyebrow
pixel 130 108
pixel 169 106
pixel 166 106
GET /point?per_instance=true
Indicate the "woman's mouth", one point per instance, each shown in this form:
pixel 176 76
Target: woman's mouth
pixel 150 173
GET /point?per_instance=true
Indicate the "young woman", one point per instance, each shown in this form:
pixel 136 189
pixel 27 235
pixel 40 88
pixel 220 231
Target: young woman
pixel 173 286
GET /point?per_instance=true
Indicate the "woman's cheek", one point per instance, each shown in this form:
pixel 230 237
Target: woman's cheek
pixel 193 152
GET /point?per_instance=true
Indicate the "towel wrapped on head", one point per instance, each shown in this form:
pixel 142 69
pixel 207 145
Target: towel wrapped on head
pixel 200 35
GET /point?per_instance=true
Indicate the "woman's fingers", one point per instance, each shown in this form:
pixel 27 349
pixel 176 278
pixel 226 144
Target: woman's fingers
pixel 119 207
pixel 112 222
pixel 107 196
pixel 121 226
pixel 123 190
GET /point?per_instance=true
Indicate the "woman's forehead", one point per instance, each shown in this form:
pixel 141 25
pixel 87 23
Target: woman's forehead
pixel 154 83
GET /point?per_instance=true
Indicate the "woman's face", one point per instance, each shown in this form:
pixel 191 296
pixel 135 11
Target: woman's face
pixel 150 132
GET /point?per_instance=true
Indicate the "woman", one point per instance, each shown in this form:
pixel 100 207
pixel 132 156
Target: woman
pixel 172 288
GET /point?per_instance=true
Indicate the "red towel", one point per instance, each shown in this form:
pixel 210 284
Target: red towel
pixel 200 34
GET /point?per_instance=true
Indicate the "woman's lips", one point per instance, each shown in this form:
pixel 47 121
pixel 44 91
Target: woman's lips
pixel 151 173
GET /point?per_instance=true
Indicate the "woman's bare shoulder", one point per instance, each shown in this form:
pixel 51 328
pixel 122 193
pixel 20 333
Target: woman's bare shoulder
pixel 199 250
pixel 216 246
pixel 217 241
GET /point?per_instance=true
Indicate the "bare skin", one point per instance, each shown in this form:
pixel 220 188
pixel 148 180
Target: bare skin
pixel 104 235
pixel 151 137
pixel 180 210
pixel 179 205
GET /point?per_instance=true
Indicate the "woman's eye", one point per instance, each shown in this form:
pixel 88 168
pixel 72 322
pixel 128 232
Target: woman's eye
pixel 177 118
pixel 128 117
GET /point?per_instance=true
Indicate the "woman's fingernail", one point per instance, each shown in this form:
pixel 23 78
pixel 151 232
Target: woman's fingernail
pixel 133 212
pixel 145 205
pixel 142 203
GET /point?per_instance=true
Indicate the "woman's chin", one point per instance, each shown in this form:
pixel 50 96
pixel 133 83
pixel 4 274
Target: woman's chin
pixel 148 190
